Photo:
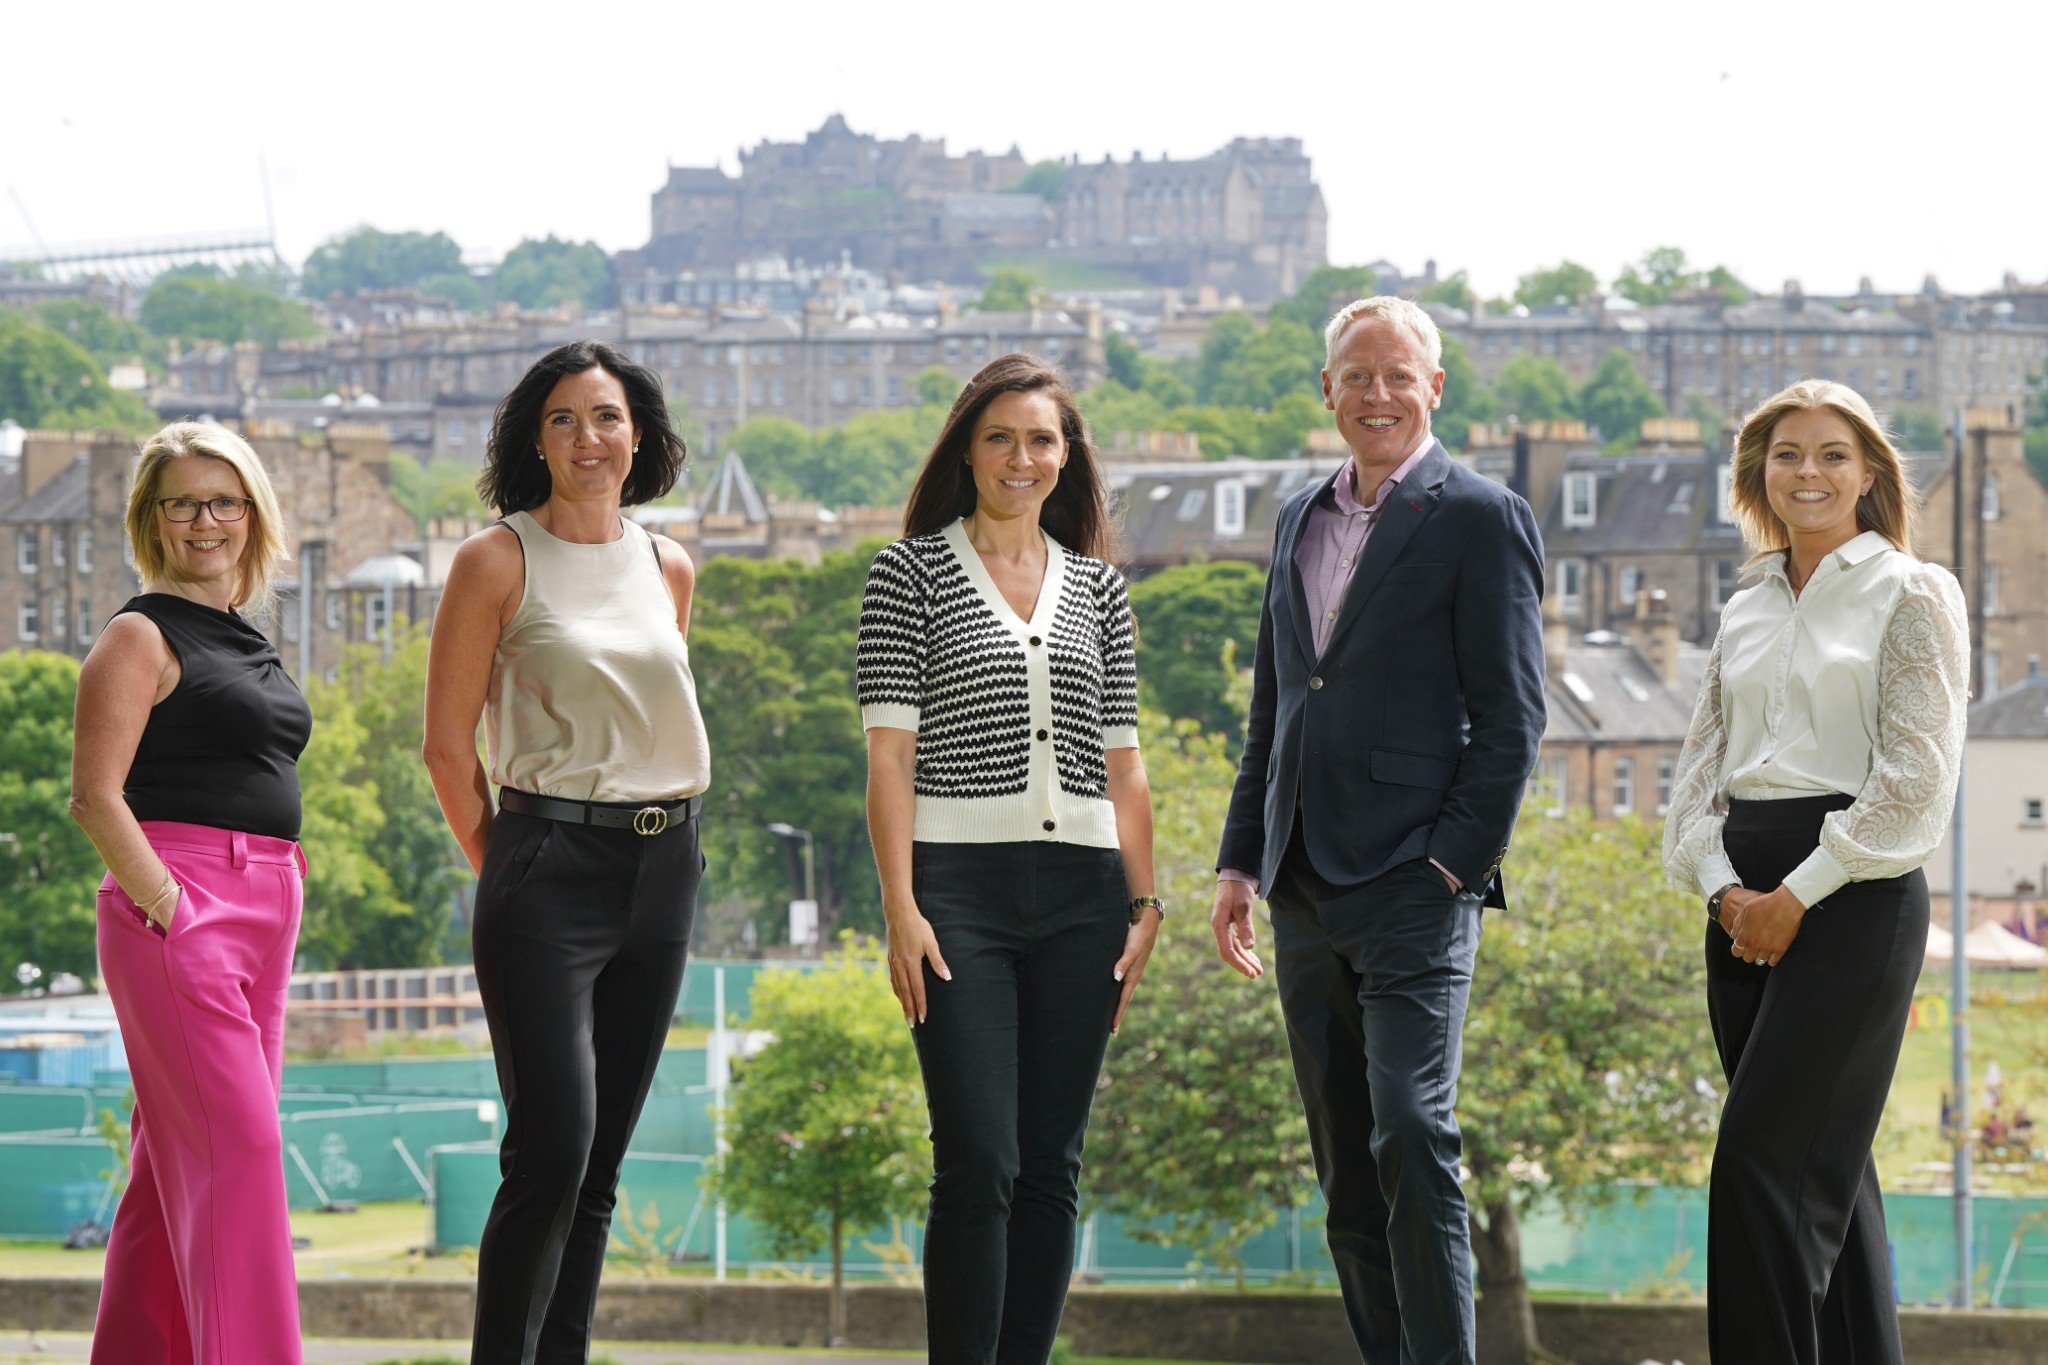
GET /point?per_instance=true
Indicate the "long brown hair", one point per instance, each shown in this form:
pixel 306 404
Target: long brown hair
pixel 1888 508
pixel 1075 513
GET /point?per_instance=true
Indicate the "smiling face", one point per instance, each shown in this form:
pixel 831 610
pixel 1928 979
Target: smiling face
pixel 203 553
pixel 587 436
pixel 1016 454
pixel 1814 472
pixel 1382 387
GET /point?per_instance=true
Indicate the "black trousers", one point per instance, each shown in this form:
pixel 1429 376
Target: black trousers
pixel 580 936
pixel 1011 1049
pixel 1374 982
pixel 1798 1265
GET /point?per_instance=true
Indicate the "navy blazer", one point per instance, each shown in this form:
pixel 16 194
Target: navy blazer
pixel 1414 732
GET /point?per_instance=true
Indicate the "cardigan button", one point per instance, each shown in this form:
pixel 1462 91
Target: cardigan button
pixel 1051 825
pixel 1036 641
pixel 1044 734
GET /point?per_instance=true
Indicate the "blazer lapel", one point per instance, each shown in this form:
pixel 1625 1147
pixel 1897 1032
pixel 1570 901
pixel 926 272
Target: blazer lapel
pixel 1284 562
pixel 1408 505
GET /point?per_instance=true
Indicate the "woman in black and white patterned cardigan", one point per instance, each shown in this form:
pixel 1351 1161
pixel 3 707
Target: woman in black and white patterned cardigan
pixel 1012 827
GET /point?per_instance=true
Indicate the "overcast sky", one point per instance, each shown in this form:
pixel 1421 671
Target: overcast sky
pixel 1781 137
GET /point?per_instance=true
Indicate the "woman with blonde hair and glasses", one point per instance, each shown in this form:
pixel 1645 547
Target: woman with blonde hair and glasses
pixel 1819 774
pixel 185 776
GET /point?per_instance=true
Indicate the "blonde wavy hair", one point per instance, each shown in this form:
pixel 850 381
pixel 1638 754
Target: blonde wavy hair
pixel 266 549
pixel 1889 508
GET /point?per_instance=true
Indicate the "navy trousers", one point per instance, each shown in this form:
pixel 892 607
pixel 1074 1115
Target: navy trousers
pixel 1374 983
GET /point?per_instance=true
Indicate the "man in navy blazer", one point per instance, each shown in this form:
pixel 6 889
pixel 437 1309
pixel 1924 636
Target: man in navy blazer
pixel 1397 702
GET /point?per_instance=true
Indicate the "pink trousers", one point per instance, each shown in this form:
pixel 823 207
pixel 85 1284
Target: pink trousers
pixel 199 1265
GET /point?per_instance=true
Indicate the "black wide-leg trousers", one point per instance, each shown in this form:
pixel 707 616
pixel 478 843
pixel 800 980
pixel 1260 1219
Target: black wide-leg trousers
pixel 1798 1264
pixel 1374 984
pixel 580 936
pixel 1011 1049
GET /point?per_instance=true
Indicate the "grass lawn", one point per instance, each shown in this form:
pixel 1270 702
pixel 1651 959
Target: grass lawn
pixel 1065 275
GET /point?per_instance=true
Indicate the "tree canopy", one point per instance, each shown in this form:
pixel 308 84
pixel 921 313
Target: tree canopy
pixel 1197 626
pixel 190 308
pixel 1617 401
pixel 365 258
pixel 1565 282
pixel 1533 389
pixel 550 271
pixel 49 870
pixel 1009 290
pixel 49 380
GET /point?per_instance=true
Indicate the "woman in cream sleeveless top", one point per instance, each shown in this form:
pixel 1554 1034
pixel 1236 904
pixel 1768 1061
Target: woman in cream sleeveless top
pixel 563 628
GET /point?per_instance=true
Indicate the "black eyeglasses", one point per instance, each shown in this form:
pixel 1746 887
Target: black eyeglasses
pixel 187 509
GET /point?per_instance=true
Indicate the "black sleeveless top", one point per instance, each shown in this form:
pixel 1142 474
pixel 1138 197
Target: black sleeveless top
pixel 223 748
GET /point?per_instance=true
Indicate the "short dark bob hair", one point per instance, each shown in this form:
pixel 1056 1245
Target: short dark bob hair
pixel 1076 512
pixel 514 481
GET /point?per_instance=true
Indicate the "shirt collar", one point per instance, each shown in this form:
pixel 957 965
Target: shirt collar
pixel 1345 489
pixel 1847 555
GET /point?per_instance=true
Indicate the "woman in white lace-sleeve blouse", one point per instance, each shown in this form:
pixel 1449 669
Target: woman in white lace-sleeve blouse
pixel 1819 774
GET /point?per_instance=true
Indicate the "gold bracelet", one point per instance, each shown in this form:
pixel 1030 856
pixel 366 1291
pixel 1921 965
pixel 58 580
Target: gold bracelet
pixel 161 892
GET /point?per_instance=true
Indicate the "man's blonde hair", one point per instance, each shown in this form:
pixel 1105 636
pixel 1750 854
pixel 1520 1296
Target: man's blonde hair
pixel 1387 308
pixel 266 549
pixel 1888 508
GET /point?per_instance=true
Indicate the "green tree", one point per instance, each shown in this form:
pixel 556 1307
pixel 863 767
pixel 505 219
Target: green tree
pixel 1587 1052
pixel 48 380
pixel 550 271
pixel 438 488
pixel 1045 179
pixel 936 387
pixel 1615 400
pixel 366 258
pixel 1198 1136
pixel 776 637
pixel 1326 289
pixel 108 339
pixel 1126 365
pixel 459 287
pixel 1008 291
pixel 827 1124
pixel 1722 282
pixel 1466 399
pixel 383 870
pixel 1917 428
pixel 49 870
pixel 1661 273
pixel 1197 626
pixel 1566 282
pixel 1244 365
pixel 777 453
pixel 1534 389
pixel 1454 289
pixel 188 308
pixel 1110 407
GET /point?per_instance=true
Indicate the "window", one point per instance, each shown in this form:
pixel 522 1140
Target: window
pixel 1827 345
pixel 711 392
pixel 867 389
pixel 1624 784
pixel 952 352
pixel 1571 584
pixel 1191 503
pixel 1229 507
pixel 83 558
pixel 2031 811
pixel 288 618
pixel 1579 499
pixel 1667 773
pixel 839 390
pixel 1990 673
pixel 454 429
pixel 1911 383
pixel 25 549
pixel 1911 346
pixel 980 350
pixel 732 354
pixel 1855 345
pixel 333 612
pixel 755 390
pixel 1724 581
pixel 30 629
pixel 1792 345
pixel 921 354
pixel 838 355
pixel 85 620
pixel 1991 590
pixel 1629 586
pixel 1989 510
pixel 376 615
pixel 778 392
pixel 895 390
pixel 57 548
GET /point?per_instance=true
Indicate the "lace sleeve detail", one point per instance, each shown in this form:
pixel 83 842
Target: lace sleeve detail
pixel 1923 703
pixel 1693 857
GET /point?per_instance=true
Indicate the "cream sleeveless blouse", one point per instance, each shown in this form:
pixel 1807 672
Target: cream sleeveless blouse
pixel 591 697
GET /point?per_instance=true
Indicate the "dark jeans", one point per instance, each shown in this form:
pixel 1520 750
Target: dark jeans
pixel 1374 981
pixel 580 936
pixel 1798 1264
pixel 1011 1048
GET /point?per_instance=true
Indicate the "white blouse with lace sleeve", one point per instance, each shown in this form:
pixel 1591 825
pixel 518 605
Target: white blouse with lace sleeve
pixel 1858 685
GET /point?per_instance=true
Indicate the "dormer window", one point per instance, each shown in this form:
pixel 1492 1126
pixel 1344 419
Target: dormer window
pixel 1229 507
pixel 1579 509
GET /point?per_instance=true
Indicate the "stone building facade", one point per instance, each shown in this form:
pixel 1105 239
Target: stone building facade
pixel 1930 351
pixel 818 369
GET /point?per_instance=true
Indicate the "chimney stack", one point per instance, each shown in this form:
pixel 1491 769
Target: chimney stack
pixel 1654 634
pixel 1556 638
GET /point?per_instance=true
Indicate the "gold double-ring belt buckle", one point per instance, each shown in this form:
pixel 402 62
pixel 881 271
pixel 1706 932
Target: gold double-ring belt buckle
pixel 649 820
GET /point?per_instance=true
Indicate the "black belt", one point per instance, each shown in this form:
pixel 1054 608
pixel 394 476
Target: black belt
pixel 649 819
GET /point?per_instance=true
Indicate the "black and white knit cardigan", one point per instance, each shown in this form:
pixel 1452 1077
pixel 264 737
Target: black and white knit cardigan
pixel 1012 717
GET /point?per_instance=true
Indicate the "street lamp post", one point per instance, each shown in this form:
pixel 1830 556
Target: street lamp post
pixel 783 830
